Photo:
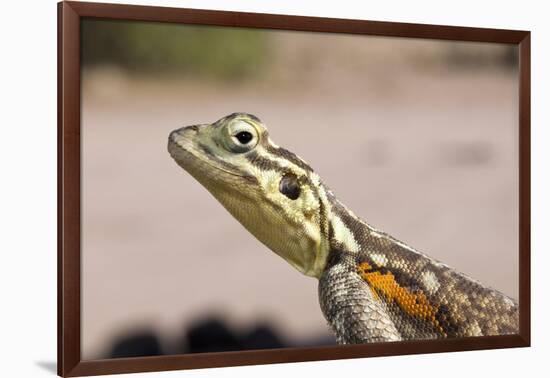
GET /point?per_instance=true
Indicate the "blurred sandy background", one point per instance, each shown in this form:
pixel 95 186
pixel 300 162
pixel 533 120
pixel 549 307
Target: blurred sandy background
pixel 417 137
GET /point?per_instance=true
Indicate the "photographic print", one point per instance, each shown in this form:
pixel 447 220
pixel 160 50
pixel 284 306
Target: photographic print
pixel 257 189
pixel 418 138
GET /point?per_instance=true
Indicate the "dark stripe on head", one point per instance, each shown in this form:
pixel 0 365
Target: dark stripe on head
pixel 285 154
pixel 264 163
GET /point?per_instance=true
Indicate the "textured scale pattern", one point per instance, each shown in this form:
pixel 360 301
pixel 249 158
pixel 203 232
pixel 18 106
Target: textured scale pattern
pixel 418 297
pixel 372 287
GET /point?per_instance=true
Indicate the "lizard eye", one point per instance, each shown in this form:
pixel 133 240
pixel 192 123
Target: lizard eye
pixel 244 137
pixel 240 136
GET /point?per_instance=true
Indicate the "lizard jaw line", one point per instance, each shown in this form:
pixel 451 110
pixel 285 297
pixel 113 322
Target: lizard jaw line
pixel 185 158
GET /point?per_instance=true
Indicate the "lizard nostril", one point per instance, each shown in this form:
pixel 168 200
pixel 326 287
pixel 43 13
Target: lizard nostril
pixel 174 135
pixel 179 133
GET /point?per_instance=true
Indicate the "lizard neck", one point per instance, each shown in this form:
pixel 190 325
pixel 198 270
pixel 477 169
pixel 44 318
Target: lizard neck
pixel 355 240
pixel 347 233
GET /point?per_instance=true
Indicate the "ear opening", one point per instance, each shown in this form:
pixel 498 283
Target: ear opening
pixel 290 186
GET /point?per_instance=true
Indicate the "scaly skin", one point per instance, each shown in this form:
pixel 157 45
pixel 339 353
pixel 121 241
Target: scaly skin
pixel 372 287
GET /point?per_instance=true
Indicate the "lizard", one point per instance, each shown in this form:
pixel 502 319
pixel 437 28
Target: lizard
pixel 371 286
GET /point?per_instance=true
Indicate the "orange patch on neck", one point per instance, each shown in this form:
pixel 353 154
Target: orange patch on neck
pixel 414 304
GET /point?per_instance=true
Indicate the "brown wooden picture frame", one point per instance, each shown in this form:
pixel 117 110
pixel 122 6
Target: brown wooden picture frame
pixel 70 15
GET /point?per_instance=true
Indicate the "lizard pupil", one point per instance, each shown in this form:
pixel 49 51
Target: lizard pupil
pixel 289 186
pixel 244 137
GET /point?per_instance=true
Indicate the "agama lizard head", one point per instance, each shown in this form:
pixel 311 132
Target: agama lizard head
pixel 269 190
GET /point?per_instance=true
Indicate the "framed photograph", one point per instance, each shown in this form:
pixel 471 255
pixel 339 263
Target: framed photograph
pixel 240 188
